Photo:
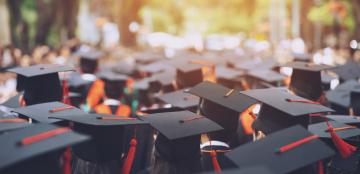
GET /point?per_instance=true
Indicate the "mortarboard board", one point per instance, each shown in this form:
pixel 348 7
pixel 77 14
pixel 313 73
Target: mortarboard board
pixel 188 75
pixel 228 77
pixel 268 76
pixel 345 119
pixel 281 109
pixel 223 106
pixel 345 96
pixel 35 149
pixel 124 67
pixel 166 80
pixel 179 134
pixel 41 83
pixel 13 102
pixel 350 70
pixel 342 130
pixel 107 132
pixel 155 67
pixel 147 57
pixel 180 99
pixel 272 152
pixel 89 60
pixel 45 112
pixel 12 123
pixel 306 79
pixel 114 84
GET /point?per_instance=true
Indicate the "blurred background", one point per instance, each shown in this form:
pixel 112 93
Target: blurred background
pixel 46 31
pixel 26 24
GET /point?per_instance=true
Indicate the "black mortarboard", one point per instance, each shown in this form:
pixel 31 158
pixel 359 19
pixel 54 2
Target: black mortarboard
pixel 188 75
pixel 179 133
pixel 166 80
pixel 45 112
pixel 342 130
pixel 41 83
pixel 345 96
pixel 350 70
pixel 268 76
pixel 345 119
pixel 107 132
pixel 270 152
pixel 114 84
pixel 180 99
pixel 222 105
pixel 12 123
pixel 89 60
pixel 13 102
pixel 35 149
pixel 306 79
pixel 228 77
pixel 281 109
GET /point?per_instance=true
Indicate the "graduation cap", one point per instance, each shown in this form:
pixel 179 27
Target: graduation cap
pixel 107 132
pixel 223 106
pixel 268 76
pixel 114 84
pixel 179 135
pixel 349 71
pixel 12 123
pixel 188 75
pixel 281 109
pixel 180 99
pixel 345 119
pixel 228 77
pixel 167 80
pixel 46 112
pixel 41 83
pixel 344 131
pixel 13 102
pixel 124 67
pixel 306 79
pixel 36 149
pixel 89 60
pixel 345 96
pixel 292 149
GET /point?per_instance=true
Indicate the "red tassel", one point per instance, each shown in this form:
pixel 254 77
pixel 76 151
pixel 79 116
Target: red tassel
pixel 296 144
pixel 320 167
pixel 215 161
pixel 344 148
pixel 66 98
pixel 67 161
pixel 130 157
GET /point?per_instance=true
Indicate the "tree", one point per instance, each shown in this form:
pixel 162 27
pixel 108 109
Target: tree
pixel 356 13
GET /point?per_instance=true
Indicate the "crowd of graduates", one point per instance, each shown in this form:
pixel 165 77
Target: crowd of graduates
pixel 85 110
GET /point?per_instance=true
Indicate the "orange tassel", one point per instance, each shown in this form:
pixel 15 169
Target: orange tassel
pixel 215 161
pixel 343 147
pixel 67 161
pixel 66 98
pixel 130 157
pixel 320 167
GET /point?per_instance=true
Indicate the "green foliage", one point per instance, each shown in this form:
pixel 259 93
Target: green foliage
pixel 323 15
pixel 28 13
